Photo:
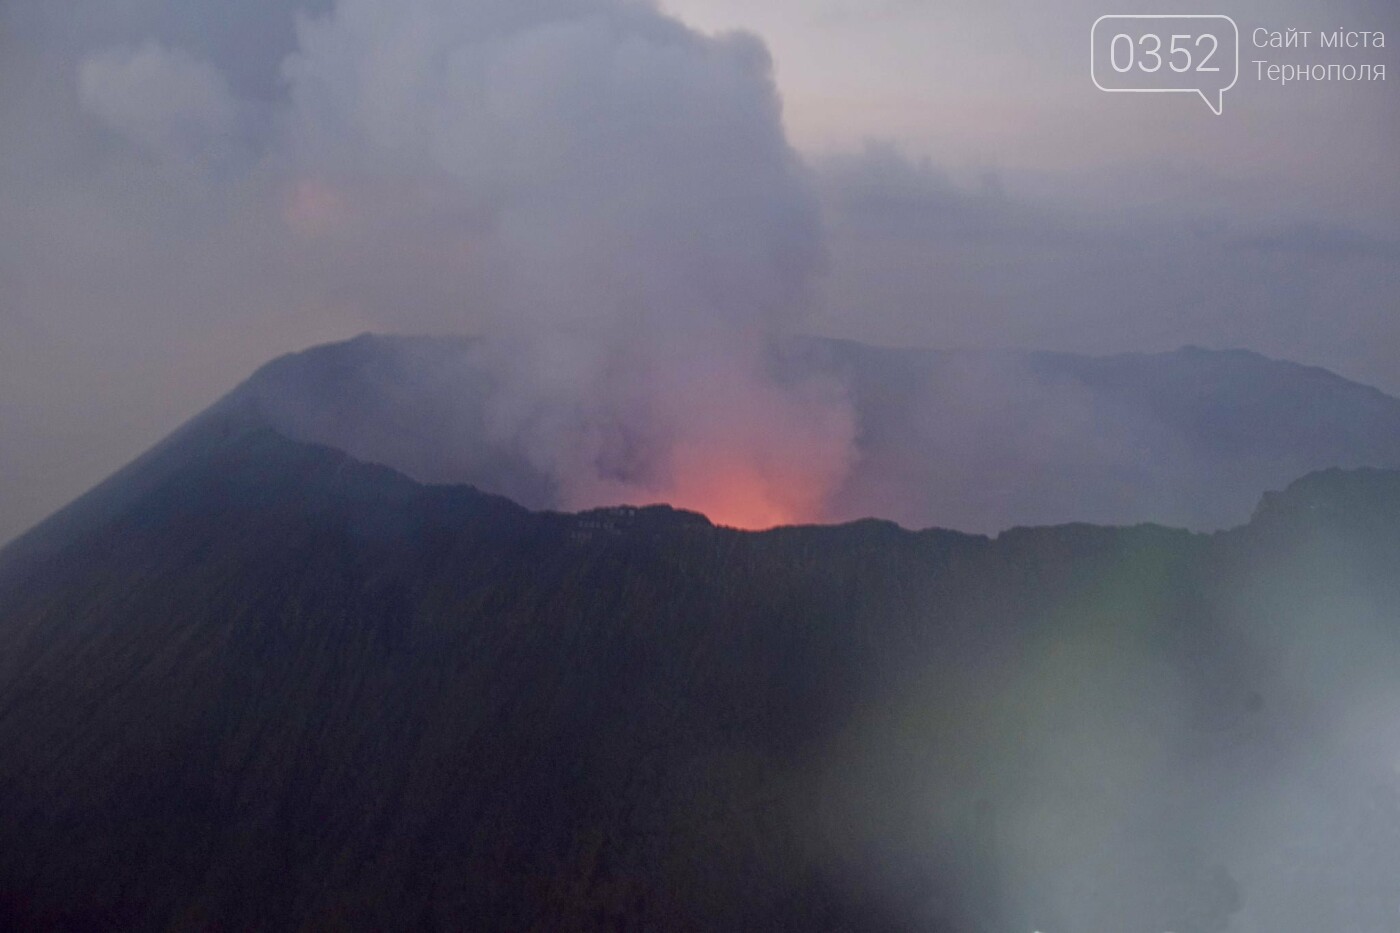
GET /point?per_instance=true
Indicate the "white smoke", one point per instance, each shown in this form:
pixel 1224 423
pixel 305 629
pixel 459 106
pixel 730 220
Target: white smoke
pixel 625 187
pixel 605 194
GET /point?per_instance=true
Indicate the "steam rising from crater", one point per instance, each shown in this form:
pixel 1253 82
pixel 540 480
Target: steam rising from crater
pixel 627 224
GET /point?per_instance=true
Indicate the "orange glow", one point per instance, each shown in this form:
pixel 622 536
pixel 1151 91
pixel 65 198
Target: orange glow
pixel 313 208
pixel 743 452
pixel 736 493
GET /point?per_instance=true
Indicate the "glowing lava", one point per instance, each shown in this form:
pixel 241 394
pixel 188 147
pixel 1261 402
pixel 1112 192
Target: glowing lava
pixel 739 494
pixel 716 435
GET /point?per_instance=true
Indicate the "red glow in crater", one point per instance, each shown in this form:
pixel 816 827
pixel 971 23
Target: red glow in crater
pixel 739 494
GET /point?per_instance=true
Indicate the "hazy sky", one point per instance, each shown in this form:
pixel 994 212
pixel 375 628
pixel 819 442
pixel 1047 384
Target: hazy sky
pixel 188 188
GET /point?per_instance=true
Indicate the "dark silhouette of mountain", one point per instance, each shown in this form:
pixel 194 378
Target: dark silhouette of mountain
pixel 254 683
pixel 971 440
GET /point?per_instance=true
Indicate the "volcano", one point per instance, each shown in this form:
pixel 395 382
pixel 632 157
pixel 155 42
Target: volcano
pixel 254 681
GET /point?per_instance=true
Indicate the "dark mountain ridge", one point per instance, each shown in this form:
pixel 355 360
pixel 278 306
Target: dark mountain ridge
pixel 255 683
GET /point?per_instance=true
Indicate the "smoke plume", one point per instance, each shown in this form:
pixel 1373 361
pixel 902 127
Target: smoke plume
pixel 617 199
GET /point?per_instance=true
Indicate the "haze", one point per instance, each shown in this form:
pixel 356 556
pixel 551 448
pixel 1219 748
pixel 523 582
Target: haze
pixel 189 189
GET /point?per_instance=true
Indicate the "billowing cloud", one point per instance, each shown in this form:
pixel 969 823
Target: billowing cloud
pixel 638 221
pixel 614 161
pixel 160 98
pixel 605 194
pixel 612 195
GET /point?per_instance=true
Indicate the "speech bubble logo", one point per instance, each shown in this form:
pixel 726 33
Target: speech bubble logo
pixel 1167 54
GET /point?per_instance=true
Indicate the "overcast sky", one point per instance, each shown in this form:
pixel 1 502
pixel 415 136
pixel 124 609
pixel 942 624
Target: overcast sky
pixel 189 188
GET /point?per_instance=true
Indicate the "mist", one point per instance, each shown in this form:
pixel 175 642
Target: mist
pixel 605 195
pixel 606 190
pixel 609 203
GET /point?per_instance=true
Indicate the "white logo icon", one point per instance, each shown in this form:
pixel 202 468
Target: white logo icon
pixel 1169 54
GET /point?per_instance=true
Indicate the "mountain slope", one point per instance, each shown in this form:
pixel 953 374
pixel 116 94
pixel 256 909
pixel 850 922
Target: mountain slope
pixel 256 683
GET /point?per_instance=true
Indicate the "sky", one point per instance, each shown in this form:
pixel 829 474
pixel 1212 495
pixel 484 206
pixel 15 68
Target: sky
pixel 188 189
